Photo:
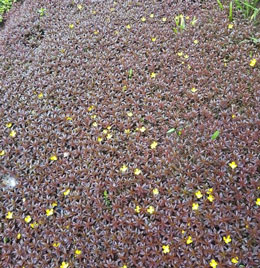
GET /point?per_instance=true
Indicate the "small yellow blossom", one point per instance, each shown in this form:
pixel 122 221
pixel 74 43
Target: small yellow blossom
pixel 94 12
pixel 164 19
pixel 66 192
pixel 71 26
pixel 166 249
pixel 189 240
pixel 79 6
pixel 182 231
pixel 130 114
pixel 9 125
pixel 186 56
pixel 9 215
pixel 105 131
pixel 78 252
pixel 233 165
pixel 34 225
pixel 233 115
pixel 94 124
pixel 124 168
pixel 40 96
pixel 227 239
pixel 150 210
pixel 18 236
pixel 230 26
pixel 49 212
pixel 180 53
pixel 152 15
pixel 68 118
pixel 90 108
pixel 213 263
pixel 252 62
pixel 137 209
pixel 93 116
pixel 154 144
pixel 234 260
pixel 155 191
pixel 28 219
pixel 124 266
pixel 112 9
pixel 153 75
pixel 195 41
pixel 54 204
pixel 99 139
pixel 143 19
pixel 62 50
pixel 2 152
pixel 64 265
pixel 109 136
pixel 128 26
pixel 257 201
pixel 12 134
pixel 198 194
pixel 210 190
pixel 127 131
pixel 53 158
pixel 96 32
pixel 137 171
pixel 195 206
pixel 193 89
pixel 142 129
pixel 109 127
pixel 56 244
pixel 124 88
pixel 210 198
pixel 153 39
pixel 187 17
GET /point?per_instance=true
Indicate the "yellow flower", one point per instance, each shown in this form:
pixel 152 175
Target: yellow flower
pixel 94 12
pixel 109 136
pixel 186 56
pixel 182 231
pixel 128 26
pixel 143 19
pixel 9 125
pixel 166 249
pixel 18 236
pixel 2 152
pixel 56 244
pixel 71 26
pixel 28 219
pixel 109 127
pixel 96 32
pixel 124 266
pixel 233 165
pixel 54 204
pixel 154 144
pixel 189 240
pixel 49 212
pixel 164 19
pixel 142 129
pixel 105 131
pixel 112 9
pixel 227 239
pixel 252 62
pixel 66 192
pixel 195 206
pixel 213 263
pixel 93 116
pixel 153 75
pixel 210 198
pixel 78 252
pixel 40 96
pixel 124 168
pixel 196 42
pixel 230 26
pixel 150 210
pixel 187 17
pixel 64 265
pixel 12 133
pixel 34 224
pixel 130 114
pixel 68 118
pixel 153 39
pixel 234 260
pixel 127 131
pixel 137 209
pixel 233 115
pixel 152 15
pixel 180 53
pixel 193 90
pixel 53 158
pixel 198 194
pixel 99 139
pixel 210 190
pixel 90 108
pixel 257 201
pixel 137 171
pixel 9 215
pixel 79 6
pixel 155 191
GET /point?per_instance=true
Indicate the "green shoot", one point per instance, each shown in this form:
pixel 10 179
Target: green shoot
pixel 42 11
pixel 130 73
pixel 215 135
pixel 220 5
pixel 230 16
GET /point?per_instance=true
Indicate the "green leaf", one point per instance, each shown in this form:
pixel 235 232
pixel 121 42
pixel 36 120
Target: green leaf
pixel 215 135
pixel 130 73
pixel 171 130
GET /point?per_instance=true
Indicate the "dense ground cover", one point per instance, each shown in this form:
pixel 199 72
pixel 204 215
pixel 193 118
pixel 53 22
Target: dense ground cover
pixel 129 135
